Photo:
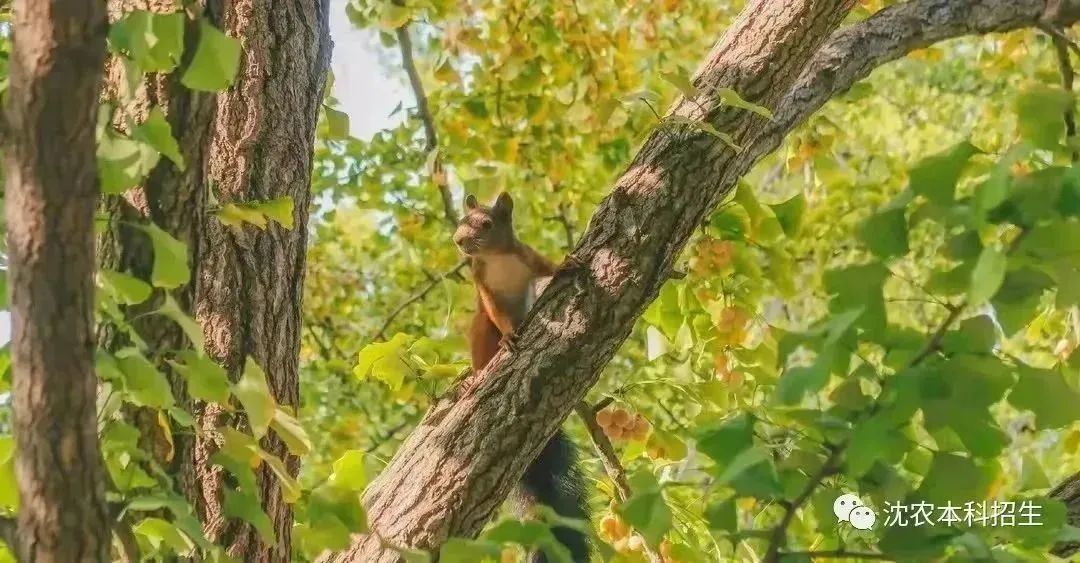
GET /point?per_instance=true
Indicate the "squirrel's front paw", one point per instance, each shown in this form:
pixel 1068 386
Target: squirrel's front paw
pixel 509 342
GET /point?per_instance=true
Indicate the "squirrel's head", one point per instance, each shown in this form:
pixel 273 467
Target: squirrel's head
pixel 486 230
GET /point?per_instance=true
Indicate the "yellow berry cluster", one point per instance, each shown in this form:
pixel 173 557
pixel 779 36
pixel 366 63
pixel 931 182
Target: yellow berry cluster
pixel 618 424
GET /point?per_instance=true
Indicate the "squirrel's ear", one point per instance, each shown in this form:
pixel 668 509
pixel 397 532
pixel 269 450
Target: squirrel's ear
pixel 470 202
pixel 503 204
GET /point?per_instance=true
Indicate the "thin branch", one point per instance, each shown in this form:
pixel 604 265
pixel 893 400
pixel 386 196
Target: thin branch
pixel 378 441
pixel 1061 46
pixel 419 295
pixel 605 450
pixel 610 460
pixel 838 554
pixel 423 109
pixel 9 533
pixel 779 533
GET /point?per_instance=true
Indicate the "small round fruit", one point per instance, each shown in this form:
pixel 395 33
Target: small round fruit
pixel 635 543
pixel 621 529
pixel 603 418
pixel 615 432
pixel 610 526
pixel 620 417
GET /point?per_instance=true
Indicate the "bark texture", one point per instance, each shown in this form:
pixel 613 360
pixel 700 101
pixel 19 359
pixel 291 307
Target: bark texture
pixel 459 464
pixel 51 192
pixel 253 142
pixel 1068 492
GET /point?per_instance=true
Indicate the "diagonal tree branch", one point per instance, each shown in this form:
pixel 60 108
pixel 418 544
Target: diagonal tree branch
pixel 457 467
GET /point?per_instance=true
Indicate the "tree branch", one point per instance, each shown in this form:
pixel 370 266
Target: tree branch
pixel 838 554
pixel 611 463
pixel 778 54
pixel 423 109
pixel 9 533
pixel 419 295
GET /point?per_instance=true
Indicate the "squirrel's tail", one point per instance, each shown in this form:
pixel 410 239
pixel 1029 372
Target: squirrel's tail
pixel 554 479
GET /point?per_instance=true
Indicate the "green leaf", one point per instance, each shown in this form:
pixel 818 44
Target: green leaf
pixel 1046 393
pixel 722 516
pixel 790 214
pixel 1039 112
pixel 646 511
pixel 383 361
pixel 957 479
pixel 160 532
pixel 350 472
pixel 393 16
pixel 191 328
pixel 170 258
pixel 145 385
pixel 291 432
pixel 987 276
pixel 995 189
pixel 732 98
pixel 254 394
pixel 155 41
pixel 886 233
pixel 680 79
pixel 279 209
pixel 123 162
pixel 126 289
pixel 246 506
pixel 290 489
pixel 216 60
pixel 206 380
pixel 337 123
pixel 156 132
pixel 9 487
pixel 461 550
pixel 935 177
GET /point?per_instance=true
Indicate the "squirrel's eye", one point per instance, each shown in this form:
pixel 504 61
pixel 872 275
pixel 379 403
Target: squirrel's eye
pixel 485 224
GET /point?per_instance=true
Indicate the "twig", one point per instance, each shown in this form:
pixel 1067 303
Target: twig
pixel 381 335
pixel 568 227
pixel 610 460
pixel 10 534
pixel 380 440
pixel 839 554
pixel 779 533
pixel 423 109
pixel 1061 45
pixel 605 450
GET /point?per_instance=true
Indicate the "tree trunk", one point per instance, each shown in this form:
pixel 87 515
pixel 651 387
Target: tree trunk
pixel 473 445
pixel 51 191
pixel 1068 492
pixel 253 142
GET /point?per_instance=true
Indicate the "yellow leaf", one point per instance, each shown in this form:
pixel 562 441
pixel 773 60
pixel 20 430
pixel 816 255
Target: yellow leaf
pixel 166 432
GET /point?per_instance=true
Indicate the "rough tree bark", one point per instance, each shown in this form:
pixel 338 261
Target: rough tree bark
pixel 253 142
pixel 461 461
pixel 51 191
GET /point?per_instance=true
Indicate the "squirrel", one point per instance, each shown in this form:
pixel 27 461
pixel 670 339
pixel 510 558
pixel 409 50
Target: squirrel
pixel 508 274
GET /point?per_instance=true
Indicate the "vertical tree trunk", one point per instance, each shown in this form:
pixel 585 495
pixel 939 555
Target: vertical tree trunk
pixel 251 281
pixel 454 471
pixel 51 191
pixel 253 142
